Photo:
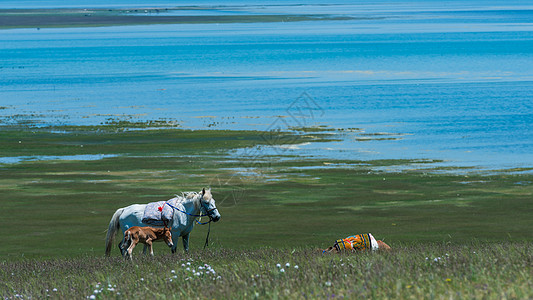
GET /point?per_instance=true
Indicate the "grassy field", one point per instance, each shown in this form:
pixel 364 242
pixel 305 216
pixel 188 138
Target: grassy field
pixel 425 271
pixel 276 208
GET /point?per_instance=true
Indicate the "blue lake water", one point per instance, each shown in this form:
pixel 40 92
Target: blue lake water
pixel 422 79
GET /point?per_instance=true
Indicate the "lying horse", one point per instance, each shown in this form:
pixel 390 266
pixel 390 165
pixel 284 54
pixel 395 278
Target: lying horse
pixel 145 235
pixel 359 242
pixel 187 208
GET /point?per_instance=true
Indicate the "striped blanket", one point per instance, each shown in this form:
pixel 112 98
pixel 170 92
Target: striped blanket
pixel 358 242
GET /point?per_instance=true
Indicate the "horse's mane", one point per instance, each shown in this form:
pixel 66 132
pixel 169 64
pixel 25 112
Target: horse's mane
pixel 187 196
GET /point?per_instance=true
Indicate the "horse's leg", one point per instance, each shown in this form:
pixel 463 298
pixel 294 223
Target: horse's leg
pixel 124 245
pixel 149 243
pixel 144 249
pixel 175 238
pixel 186 243
pixel 130 249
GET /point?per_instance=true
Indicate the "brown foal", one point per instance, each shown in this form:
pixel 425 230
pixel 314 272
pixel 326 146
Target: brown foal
pixel 145 235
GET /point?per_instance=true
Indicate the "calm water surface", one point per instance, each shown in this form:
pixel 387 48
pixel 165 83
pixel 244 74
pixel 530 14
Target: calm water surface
pixel 422 79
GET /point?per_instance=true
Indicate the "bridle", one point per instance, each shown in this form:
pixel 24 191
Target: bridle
pixel 206 214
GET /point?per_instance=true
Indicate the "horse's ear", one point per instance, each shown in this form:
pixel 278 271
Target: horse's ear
pixel 203 191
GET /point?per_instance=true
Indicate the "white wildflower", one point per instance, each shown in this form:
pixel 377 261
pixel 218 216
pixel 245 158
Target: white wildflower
pixel 296 267
pixel 278 265
pixel 287 265
pixel 282 270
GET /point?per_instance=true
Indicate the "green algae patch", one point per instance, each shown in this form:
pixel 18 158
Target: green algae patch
pixel 139 140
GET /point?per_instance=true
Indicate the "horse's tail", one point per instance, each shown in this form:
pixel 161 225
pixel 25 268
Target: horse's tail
pixel 112 231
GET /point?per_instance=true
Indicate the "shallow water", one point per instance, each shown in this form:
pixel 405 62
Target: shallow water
pixel 82 157
pixel 426 79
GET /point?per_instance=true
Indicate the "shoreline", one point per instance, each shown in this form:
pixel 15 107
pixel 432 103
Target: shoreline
pixel 59 18
pixel 296 142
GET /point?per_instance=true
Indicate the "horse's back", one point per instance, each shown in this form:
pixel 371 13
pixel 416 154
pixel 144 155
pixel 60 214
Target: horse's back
pixel 132 216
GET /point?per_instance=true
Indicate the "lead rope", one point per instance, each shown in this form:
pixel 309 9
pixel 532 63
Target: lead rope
pixel 207 237
pixel 208 230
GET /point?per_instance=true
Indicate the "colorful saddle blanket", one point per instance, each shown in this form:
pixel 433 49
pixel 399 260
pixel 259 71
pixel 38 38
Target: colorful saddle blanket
pixel 358 242
pixel 157 213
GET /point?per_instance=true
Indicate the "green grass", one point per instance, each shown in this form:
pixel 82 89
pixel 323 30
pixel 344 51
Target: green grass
pixel 421 271
pixel 275 208
pixel 273 200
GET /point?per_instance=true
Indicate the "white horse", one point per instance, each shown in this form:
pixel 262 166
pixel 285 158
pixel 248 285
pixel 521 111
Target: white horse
pixel 186 210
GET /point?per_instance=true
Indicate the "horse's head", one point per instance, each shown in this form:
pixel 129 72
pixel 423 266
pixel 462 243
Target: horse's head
pixel 167 237
pixel 208 205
